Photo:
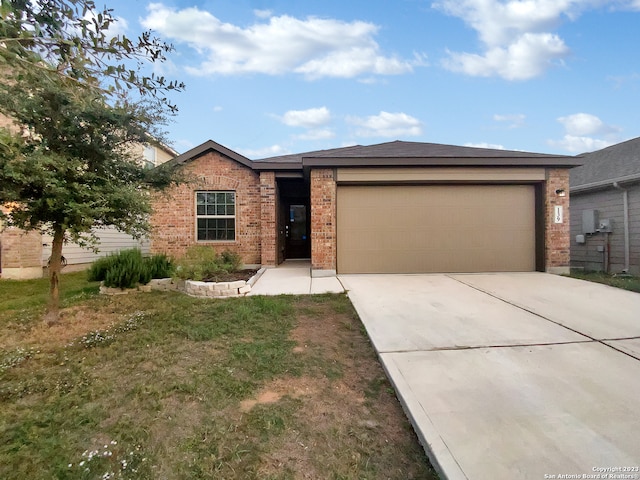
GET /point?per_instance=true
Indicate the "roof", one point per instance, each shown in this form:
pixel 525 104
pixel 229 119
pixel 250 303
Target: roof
pixel 390 154
pixel 399 153
pixel 616 163
pixel 208 146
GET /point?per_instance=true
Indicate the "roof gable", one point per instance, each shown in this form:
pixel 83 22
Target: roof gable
pixel 208 146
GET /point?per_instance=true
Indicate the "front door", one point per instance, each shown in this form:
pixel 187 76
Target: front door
pixel 296 232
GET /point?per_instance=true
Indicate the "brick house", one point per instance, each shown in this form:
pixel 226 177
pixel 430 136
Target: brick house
pixel 397 207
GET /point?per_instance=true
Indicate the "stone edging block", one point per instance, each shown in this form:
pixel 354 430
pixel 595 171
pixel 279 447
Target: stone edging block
pixel 192 288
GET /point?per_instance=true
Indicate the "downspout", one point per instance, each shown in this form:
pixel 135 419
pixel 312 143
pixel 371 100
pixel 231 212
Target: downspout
pixel 625 213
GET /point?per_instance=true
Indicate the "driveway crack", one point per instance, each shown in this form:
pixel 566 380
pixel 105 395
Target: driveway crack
pixel 592 339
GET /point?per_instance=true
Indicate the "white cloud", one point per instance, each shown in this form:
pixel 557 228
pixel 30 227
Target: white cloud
pixel 314 47
pixel 217 108
pixel 574 144
pixel 581 132
pixel 310 118
pixel 517 35
pixel 634 5
pixel 527 57
pixel 513 120
pixel 262 13
pixel 265 152
pixel 581 124
pixel 492 146
pixel 387 124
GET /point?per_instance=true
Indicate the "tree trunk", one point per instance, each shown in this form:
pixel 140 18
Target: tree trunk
pixel 55 266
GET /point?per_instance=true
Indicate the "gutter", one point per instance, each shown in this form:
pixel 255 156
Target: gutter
pixel 605 183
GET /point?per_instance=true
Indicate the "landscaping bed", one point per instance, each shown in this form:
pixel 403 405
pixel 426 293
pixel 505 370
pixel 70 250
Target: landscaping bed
pixel 162 385
pixel 231 276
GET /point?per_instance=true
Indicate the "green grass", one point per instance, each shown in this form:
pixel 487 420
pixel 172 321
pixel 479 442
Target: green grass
pixel 631 283
pixel 162 385
pixel 27 294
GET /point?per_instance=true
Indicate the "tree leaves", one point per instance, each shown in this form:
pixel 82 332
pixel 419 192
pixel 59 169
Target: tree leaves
pixel 74 37
pixel 68 162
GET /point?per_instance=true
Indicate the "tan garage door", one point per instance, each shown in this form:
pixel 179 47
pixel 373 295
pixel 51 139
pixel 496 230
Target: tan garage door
pixel 436 228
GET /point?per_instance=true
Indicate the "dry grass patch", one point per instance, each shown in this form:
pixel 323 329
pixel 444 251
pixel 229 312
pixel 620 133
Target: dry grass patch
pixel 162 385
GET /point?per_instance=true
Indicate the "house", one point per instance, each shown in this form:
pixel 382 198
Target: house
pixel 605 210
pixel 26 254
pixel 397 207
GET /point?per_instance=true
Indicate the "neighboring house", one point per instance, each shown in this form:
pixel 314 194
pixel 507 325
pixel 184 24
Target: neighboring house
pixel 26 254
pixel 605 210
pixel 398 207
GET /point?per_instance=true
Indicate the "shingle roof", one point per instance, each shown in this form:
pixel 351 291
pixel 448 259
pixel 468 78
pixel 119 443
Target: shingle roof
pixel 611 163
pixel 416 153
pixel 429 150
pixel 390 154
pixel 297 157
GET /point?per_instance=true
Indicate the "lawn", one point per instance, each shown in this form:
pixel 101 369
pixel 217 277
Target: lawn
pixel 627 282
pixel 161 385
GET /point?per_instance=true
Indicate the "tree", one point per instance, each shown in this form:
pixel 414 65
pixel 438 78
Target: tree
pixel 67 85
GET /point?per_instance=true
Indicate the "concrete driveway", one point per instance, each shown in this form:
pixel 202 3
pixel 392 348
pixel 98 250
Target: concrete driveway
pixel 511 376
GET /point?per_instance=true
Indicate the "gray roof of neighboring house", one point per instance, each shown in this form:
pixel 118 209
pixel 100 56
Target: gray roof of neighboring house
pixel 615 163
pixel 396 153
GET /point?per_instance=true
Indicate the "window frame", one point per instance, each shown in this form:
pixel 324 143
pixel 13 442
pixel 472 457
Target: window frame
pixel 216 216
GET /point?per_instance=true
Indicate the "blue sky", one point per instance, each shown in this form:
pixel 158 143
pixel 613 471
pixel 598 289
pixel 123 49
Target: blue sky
pixel 267 78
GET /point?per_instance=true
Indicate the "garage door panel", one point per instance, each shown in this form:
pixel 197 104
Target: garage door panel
pixel 438 228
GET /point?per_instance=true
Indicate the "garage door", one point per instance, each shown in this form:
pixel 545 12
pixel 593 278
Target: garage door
pixel 436 228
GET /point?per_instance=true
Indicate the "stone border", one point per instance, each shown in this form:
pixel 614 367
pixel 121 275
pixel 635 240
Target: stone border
pixel 192 288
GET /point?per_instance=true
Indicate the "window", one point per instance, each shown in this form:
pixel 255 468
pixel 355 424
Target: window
pixel 149 156
pixel 216 216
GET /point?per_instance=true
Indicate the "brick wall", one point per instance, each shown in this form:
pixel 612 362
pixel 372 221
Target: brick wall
pixel 21 253
pixel 269 203
pixel 557 235
pixel 323 219
pixel 174 216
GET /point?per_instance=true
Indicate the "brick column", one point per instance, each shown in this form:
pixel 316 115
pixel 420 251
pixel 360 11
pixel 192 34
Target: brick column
pixel 323 222
pixel 268 219
pixel 557 235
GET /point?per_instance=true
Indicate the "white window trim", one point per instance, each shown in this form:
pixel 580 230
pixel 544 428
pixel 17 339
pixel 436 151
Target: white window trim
pixel 234 217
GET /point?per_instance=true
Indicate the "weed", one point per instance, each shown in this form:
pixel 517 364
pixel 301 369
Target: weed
pixel 626 282
pixel 16 357
pixel 111 462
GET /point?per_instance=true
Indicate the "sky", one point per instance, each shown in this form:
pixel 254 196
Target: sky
pixel 267 78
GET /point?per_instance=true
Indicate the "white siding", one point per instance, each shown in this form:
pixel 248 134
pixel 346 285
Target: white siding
pixel 111 241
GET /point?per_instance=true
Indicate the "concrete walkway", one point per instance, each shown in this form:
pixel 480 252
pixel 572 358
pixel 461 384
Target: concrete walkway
pixel 293 277
pixel 510 376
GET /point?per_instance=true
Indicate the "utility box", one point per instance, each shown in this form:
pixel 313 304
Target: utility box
pixel 589 221
pixel 580 239
pixel 604 225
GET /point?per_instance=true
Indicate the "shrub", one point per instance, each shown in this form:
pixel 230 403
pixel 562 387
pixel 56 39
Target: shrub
pixel 99 268
pixel 202 263
pixel 160 266
pixel 231 260
pixel 128 268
